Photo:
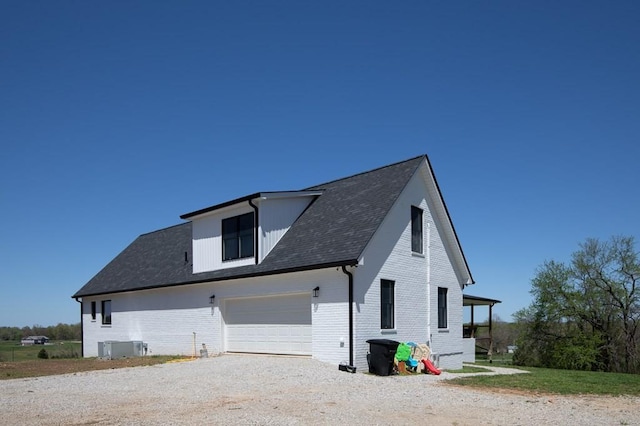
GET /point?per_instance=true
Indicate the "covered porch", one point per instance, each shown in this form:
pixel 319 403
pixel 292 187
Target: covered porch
pixel 470 330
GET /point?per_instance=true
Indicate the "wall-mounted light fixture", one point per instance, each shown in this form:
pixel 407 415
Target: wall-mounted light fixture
pixel 213 296
pixel 316 292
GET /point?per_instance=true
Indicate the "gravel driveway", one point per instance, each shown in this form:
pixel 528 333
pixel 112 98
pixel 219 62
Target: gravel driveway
pixel 261 390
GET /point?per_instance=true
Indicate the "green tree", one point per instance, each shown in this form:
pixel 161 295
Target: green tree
pixel 57 332
pixel 10 333
pixel 585 315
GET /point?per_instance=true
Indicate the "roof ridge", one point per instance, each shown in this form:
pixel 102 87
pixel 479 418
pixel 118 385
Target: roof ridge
pixel 365 172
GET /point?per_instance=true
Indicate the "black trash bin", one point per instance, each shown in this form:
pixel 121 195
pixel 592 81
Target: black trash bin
pixel 381 354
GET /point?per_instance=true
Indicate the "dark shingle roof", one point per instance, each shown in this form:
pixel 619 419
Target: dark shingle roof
pixel 152 260
pixel 334 230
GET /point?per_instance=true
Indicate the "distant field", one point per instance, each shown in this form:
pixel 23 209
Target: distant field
pixel 13 351
pixel 49 367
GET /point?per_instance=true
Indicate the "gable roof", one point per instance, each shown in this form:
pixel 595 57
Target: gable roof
pixel 333 231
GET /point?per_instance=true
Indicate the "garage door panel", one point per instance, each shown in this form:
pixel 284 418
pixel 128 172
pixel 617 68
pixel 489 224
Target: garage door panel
pixel 270 339
pixel 290 309
pixel 278 324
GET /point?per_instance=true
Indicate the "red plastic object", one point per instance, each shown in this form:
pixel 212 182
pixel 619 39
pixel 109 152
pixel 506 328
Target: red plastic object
pixel 429 366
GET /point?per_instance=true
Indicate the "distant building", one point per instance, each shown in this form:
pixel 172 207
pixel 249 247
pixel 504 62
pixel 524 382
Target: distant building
pixel 34 340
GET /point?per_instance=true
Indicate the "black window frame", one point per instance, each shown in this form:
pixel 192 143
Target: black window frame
pixel 93 310
pixel 237 242
pixel 442 307
pixel 387 304
pixel 106 312
pixel 417 234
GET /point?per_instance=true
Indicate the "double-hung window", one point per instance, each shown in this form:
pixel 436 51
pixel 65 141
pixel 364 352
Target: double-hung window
pixel 442 307
pixel 106 312
pixel 416 229
pixel 237 237
pixel 387 304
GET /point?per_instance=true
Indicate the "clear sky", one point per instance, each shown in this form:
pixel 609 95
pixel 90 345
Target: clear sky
pixel 116 117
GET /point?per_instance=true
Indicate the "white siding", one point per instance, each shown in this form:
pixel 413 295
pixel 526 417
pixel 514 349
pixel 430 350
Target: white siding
pixel 207 240
pixel 276 217
pixel 389 256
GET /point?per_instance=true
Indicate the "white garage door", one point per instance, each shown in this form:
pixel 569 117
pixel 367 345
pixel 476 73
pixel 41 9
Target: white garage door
pixel 274 324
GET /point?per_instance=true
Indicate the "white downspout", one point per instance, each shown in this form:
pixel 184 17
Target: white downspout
pixel 428 256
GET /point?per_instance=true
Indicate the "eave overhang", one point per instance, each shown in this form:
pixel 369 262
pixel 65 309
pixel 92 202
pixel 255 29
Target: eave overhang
pixel 257 195
pixel 211 279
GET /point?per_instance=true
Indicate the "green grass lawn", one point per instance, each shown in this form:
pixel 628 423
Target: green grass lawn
pixel 565 382
pixel 13 351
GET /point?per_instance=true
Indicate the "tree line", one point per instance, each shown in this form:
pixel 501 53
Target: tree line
pixel 585 315
pixel 53 332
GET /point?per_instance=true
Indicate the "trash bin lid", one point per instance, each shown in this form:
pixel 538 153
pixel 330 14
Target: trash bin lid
pixel 383 342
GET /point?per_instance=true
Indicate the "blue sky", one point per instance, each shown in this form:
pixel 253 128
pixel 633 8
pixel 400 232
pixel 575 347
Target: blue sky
pixel 117 117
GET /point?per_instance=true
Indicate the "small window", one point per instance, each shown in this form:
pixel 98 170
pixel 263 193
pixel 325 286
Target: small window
pixel 93 310
pixel 442 307
pixel 106 311
pixel 387 304
pixel 416 229
pixel 237 237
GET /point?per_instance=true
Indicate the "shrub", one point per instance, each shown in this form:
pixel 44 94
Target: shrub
pixel 43 354
pixel 66 353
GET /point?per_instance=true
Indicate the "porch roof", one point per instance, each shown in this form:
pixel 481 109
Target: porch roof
pixel 468 300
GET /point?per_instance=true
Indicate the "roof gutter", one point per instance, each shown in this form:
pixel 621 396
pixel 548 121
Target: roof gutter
pixel 350 276
pixel 256 223
pixel 350 262
pixel 219 206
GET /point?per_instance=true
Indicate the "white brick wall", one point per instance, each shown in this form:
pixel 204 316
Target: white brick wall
pixel 389 256
pixel 166 318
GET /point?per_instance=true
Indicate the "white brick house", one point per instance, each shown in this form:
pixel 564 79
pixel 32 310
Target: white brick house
pixel 315 272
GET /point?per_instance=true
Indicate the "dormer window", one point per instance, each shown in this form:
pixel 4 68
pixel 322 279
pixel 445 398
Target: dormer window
pixel 237 237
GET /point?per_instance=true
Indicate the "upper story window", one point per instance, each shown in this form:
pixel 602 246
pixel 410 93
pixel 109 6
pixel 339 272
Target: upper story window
pixel 387 299
pixel 106 312
pixel 237 237
pixel 416 229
